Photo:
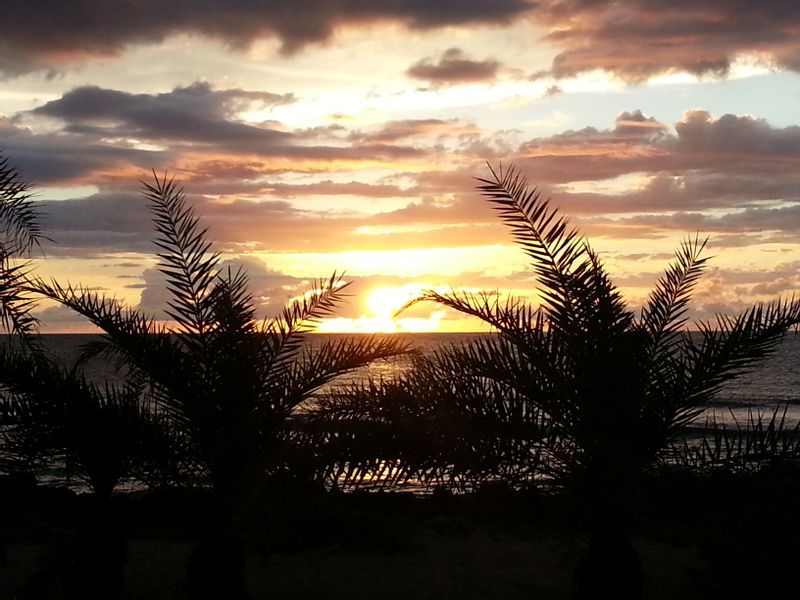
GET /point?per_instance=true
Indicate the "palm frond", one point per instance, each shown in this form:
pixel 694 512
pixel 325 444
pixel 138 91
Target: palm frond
pixel 431 425
pixel 21 230
pixel 18 214
pixel 584 361
pixel 128 335
pixel 106 313
pixel 663 317
pixel 511 316
pixel 186 260
pixel 102 433
pixel 16 302
pixel 727 348
pixel 765 436
pixel 599 309
pixel 285 334
pixel 231 303
pixel 553 244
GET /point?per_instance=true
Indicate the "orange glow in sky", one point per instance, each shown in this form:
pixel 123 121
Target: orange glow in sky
pixel 353 145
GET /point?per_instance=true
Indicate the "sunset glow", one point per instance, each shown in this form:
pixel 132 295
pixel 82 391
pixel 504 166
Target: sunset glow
pixel 351 144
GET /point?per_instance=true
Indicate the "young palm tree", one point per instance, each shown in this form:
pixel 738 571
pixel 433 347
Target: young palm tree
pixel 101 434
pixel 227 382
pixel 616 387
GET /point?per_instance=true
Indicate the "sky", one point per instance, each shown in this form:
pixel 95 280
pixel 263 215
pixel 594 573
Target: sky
pixel 318 136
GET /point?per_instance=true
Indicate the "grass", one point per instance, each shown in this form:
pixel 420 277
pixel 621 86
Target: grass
pixel 395 546
pixel 478 564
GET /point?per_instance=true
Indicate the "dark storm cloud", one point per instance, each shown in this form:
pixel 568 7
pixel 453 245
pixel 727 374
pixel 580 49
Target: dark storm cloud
pixel 637 39
pixel 49 34
pixel 453 67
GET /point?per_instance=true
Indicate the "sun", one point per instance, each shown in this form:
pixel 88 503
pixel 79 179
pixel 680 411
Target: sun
pixel 383 304
pixel 380 307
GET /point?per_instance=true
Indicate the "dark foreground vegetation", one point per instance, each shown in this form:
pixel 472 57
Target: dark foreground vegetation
pixel 720 536
pixel 552 458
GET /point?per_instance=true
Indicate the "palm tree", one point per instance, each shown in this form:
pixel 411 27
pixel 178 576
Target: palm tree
pixel 615 386
pixel 19 232
pixel 227 382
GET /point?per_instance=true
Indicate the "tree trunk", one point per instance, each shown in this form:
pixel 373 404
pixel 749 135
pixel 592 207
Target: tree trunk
pixel 609 568
pixel 216 566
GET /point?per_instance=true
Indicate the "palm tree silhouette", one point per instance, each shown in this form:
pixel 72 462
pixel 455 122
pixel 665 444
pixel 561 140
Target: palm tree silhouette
pixel 615 387
pixel 227 382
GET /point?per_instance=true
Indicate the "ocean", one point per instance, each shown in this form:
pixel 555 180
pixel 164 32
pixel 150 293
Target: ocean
pixel 776 381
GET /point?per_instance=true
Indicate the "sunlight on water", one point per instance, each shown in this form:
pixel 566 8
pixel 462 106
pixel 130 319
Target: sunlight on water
pixel 775 381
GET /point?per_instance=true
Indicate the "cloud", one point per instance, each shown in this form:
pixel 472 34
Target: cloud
pixel 553 90
pixel 270 289
pixel 195 113
pixel 639 39
pixel 453 67
pixel 103 131
pixel 635 40
pixel 725 162
pixel 51 34
pixel 100 223
pixel 735 136
pixel 419 129
pixel 751 225
pixel 635 179
pixel 56 157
